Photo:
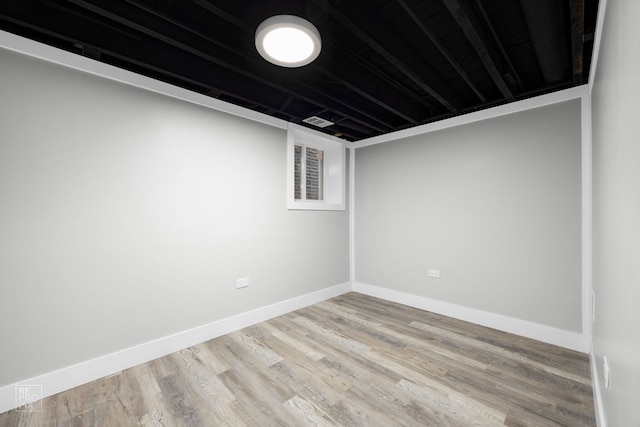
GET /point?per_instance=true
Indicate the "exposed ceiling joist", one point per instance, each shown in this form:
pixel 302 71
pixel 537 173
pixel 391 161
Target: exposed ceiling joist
pixel 436 42
pixel 463 16
pixel 224 15
pixel 391 58
pixel 499 43
pixel 380 75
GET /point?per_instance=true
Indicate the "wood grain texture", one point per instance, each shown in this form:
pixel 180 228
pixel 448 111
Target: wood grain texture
pixel 353 360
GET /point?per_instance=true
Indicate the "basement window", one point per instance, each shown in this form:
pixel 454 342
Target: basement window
pixel 315 170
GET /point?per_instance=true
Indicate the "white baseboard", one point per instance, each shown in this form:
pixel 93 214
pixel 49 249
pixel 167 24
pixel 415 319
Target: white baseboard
pixel 559 337
pixel 597 394
pixel 91 370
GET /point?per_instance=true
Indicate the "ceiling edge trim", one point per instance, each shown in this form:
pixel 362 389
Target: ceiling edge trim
pixel 576 92
pixel 602 9
pixel 15 43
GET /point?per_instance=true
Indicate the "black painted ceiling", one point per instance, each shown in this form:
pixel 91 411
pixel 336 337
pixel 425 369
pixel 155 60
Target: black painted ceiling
pixel 385 65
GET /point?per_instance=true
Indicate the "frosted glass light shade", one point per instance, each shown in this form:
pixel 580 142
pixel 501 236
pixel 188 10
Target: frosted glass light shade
pixel 288 41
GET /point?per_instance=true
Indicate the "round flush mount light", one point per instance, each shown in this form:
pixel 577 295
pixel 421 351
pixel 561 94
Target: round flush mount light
pixel 288 41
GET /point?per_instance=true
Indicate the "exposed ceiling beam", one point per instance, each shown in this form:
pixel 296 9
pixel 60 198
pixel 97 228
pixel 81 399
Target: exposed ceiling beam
pixel 408 93
pixel 388 56
pixel 223 14
pixel 286 104
pixel 101 22
pixel 577 38
pixel 463 16
pixel 436 42
pixel 498 42
pixel 369 94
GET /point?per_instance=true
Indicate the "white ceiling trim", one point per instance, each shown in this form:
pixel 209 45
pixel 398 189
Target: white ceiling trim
pixel 44 52
pixel 602 8
pixel 527 104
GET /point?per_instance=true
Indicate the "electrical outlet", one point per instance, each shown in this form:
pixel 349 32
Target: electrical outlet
pixel 242 283
pixel 607 372
pixel 433 273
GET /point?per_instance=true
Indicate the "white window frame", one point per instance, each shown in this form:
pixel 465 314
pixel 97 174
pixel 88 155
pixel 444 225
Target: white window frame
pixel 334 172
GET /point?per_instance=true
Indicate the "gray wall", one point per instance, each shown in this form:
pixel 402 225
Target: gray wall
pixel 494 205
pixel 616 211
pixel 127 216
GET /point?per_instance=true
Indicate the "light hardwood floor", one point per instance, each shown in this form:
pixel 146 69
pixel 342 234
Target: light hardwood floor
pixel 351 361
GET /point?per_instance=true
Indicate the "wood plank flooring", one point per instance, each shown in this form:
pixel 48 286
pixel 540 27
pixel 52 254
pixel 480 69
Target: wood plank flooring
pixel 351 361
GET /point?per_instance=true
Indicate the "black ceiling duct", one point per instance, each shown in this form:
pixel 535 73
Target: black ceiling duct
pixel 546 20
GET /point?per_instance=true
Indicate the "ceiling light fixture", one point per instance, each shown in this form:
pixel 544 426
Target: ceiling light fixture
pixel 288 41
